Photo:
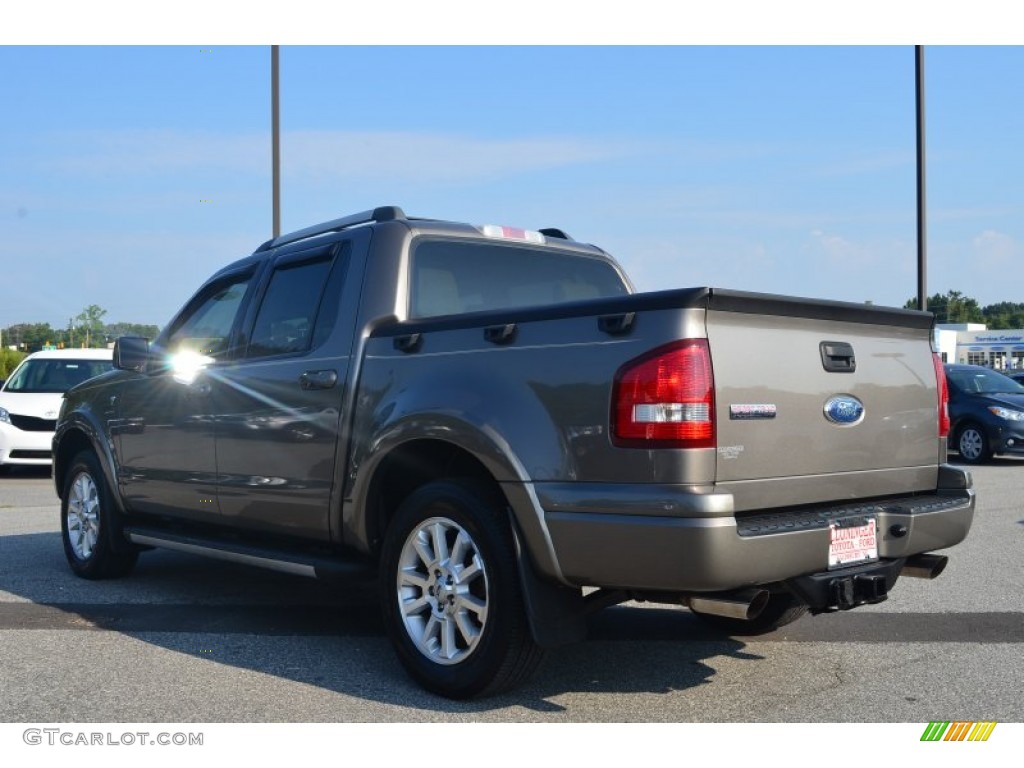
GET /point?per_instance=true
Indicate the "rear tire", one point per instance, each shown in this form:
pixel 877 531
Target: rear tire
pixel 451 595
pixel 90 525
pixel 782 609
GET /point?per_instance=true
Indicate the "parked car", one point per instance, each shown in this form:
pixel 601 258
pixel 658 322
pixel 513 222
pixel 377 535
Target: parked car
pixel 30 400
pixel 986 412
pixel 492 420
pixel 1016 375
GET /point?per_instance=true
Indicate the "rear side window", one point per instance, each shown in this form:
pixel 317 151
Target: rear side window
pixel 286 322
pixel 452 278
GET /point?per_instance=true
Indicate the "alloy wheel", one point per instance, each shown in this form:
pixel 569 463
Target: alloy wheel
pixel 442 590
pixel 83 516
pixel 972 444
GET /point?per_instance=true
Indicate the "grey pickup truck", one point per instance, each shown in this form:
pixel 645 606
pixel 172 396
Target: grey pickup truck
pixel 496 428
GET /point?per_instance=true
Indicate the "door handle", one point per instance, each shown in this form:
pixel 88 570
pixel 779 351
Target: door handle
pixel 500 334
pixel 616 325
pixel 318 379
pixel 409 343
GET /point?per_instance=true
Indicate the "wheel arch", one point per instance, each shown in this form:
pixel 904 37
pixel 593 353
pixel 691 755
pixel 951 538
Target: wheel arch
pixel 554 607
pixel 98 548
pixel 433 447
pixel 77 436
pixel 409 466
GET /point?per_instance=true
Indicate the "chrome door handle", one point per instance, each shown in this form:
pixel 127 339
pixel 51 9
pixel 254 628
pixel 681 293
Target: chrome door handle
pixel 318 379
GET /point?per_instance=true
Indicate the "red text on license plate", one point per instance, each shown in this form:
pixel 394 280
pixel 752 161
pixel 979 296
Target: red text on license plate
pixel 852 544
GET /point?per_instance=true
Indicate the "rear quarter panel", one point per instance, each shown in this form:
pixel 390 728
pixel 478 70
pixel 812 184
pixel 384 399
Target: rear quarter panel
pixel 542 402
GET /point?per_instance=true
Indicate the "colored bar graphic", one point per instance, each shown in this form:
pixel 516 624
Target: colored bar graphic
pixel 981 732
pixel 958 731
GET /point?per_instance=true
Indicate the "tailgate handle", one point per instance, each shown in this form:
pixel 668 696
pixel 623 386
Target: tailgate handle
pixel 500 334
pixel 615 325
pixel 838 357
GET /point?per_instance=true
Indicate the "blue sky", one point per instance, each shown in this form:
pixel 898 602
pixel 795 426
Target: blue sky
pixel 129 174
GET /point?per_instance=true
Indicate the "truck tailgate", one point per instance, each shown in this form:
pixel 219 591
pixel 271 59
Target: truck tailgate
pixel 838 400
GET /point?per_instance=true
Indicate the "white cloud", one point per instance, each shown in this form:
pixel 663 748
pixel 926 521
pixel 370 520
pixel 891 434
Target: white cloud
pixel 659 262
pixel 962 214
pixel 437 157
pixel 995 249
pixel 142 276
pixel 840 251
pixel 141 152
pixel 863 163
pixel 338 155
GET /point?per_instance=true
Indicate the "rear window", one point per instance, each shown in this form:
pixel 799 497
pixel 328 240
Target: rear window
pixel 54 374
pixel 454 277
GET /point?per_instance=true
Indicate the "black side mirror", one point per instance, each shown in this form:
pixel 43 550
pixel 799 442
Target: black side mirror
pixel 131 353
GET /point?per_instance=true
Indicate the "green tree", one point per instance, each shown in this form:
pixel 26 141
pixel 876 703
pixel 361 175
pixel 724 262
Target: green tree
pixel 90 322
pixel 114 330
pixel 951 307
pixel 30 336
pixel 9 359
pixel 1005 314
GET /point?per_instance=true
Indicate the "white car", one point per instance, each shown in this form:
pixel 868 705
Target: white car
pixel 30 400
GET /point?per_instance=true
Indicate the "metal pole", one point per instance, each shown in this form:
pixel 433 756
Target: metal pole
pixel 275 131
pixel 922 234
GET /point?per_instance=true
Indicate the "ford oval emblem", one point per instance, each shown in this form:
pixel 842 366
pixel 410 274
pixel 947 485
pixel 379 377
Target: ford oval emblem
pixel 844 410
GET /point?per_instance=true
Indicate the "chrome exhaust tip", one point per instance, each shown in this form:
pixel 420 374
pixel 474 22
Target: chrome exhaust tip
pixel 924 566
pixel 745 605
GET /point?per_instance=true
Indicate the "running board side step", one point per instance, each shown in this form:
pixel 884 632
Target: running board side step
pixel 295 563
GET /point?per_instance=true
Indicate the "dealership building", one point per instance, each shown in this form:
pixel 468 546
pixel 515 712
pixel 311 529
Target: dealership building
pixel 974 344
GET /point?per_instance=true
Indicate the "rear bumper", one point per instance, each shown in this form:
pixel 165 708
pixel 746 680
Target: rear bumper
pixel 699 547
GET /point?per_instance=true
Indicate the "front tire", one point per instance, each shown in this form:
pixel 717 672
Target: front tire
pixel 89 523
pixel 973 445
pixel 450 590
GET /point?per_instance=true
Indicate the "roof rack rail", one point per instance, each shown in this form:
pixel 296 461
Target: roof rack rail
pixel 556 232
pixel 383 213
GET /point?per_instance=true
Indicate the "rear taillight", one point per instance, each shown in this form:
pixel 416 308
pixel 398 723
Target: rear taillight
pixel 940 379
pixel 666 398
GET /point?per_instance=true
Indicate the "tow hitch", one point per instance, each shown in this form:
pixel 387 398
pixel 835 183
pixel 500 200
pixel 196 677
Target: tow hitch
pixel 841 590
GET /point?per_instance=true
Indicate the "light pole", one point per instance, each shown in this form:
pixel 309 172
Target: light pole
pixel 275 136
pixel 922 234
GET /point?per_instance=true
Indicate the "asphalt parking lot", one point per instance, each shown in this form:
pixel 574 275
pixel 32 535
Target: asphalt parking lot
pixel 186 639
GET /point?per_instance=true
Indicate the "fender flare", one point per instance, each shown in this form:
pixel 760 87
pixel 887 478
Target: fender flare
pixel 85 423
pixel 487 447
